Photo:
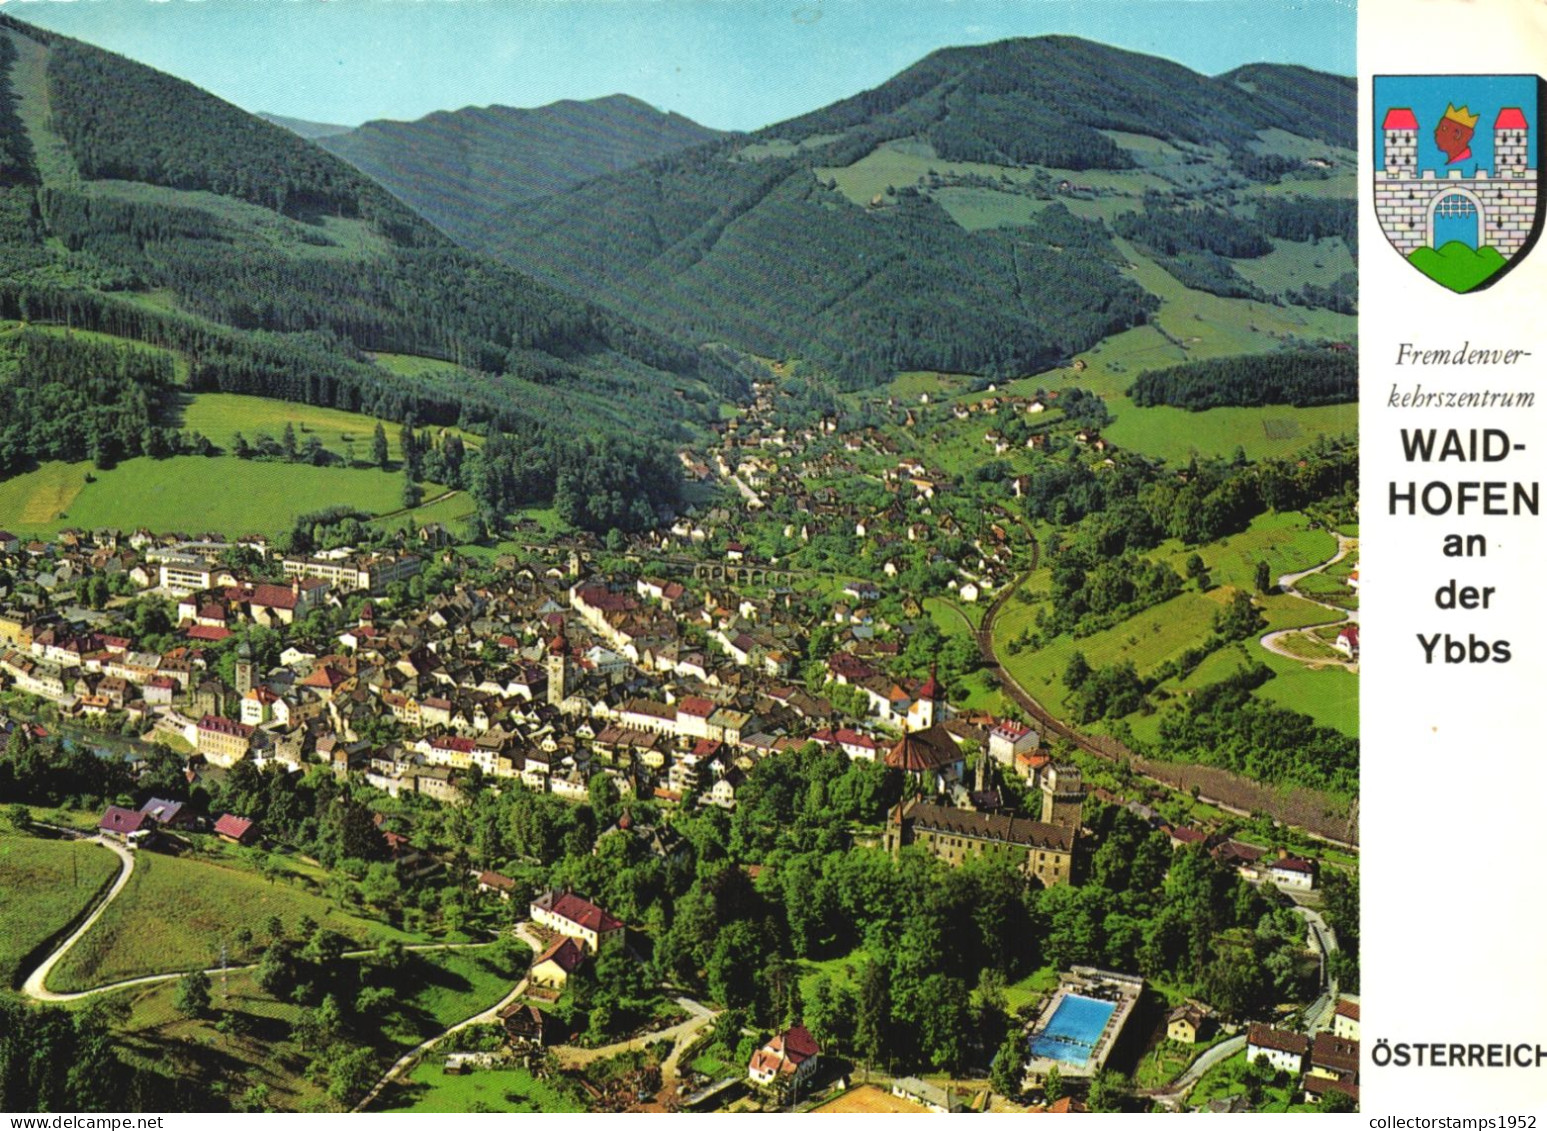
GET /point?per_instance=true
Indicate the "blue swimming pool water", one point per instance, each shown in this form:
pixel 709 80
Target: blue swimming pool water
pixel 1073 1029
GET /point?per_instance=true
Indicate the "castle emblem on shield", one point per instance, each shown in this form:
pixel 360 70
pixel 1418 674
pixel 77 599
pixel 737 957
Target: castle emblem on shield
pixel 1456 173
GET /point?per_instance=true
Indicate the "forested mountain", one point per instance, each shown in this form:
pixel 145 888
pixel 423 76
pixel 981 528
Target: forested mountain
pixel 765 241
pixel 459 168
pixel 139 206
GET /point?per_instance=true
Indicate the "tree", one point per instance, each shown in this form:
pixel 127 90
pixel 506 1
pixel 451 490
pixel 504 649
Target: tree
pixel 1053 1085
pixel 20 817
pixel 351 1075
pixel 192 998
pixel 412 493
pixel 287 441
pixel 1009 1064
pixel 379 454
pixel 1108 1092
pixel 1077 672
pixel 1264 577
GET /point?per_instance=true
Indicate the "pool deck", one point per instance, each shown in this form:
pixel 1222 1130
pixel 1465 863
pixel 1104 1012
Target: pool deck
pixel 1122 990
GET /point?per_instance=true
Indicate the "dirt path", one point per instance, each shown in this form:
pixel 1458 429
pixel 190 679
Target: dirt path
pixel 682 1034
pixel 403 1062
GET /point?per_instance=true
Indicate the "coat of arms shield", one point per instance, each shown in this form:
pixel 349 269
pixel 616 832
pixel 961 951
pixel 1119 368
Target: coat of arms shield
pixel 1456 172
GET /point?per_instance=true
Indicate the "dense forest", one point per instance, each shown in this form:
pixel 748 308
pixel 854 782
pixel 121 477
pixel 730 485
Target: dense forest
pixel 1300 377
pixel 1224 725
pixel 785 267
pixel 163 131
pixel 1045 98
pixel 67 399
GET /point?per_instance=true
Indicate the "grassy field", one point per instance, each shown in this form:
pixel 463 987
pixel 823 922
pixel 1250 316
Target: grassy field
pixel 47 883
pixel 411 365
pixel 438 989
pixel 1175 434
pixel 497 1089
pixel 191 493
pixel 177 911
pixel 1031 989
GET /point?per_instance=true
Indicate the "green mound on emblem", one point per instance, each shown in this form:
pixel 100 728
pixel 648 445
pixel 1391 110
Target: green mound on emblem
pixel 1457 266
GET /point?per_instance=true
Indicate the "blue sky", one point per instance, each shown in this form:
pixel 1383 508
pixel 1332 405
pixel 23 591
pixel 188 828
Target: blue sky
pixel 733 64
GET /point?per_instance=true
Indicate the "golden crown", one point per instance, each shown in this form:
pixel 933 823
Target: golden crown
pixel 1461 115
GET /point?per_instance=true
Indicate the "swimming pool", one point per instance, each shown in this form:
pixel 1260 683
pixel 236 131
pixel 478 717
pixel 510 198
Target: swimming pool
pixel 1072 1031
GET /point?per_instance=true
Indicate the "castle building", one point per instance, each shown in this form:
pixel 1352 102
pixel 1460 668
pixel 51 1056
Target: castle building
pixel 1043 851
pixel 1408 201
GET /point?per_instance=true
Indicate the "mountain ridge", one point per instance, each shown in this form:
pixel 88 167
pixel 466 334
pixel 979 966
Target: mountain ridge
pixel 457 167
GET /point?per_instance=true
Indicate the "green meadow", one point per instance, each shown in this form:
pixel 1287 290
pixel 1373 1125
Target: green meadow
pixel 192 493
pixel 46 884
pixel 177 912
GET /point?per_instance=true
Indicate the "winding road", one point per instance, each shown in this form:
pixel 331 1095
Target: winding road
pixel 34 986
pixel 1273 641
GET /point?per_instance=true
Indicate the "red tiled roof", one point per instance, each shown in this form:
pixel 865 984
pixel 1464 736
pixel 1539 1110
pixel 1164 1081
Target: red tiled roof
pixel 565 953
pixel 220 725
pixel 581 912
pixel 923 750
pixel 696 707
pixel 122 821
pixel 274 596
pixel 1278 1040
pixel 234 827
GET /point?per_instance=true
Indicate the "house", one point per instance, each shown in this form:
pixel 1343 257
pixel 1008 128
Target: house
pixel 1009 738
pixel 553 966
pixel 1345 1019
pixel 1283 1050
pixel 1291 873
pixel 790 1056
pixel 503 886
pixel 128 826
pixel 1347 641
pixel 221 741
pixel 529 1027
pixel 168 814
pixel 236 830
pixel 1185 1023
pixel 578 918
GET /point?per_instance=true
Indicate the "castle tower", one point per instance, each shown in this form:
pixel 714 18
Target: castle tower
pixel 1511 148
pixel 243 668
pixel 558 670
pixel 1401 130
pixel 1063 796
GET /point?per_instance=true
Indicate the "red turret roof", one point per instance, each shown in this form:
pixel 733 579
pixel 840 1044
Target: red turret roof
pixel 1400 118
pixel 1510 118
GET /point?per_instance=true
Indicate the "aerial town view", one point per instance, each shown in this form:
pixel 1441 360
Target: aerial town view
pixel 574 609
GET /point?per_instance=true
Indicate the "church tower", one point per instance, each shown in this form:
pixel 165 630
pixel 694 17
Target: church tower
pixel 243 668
pixel 558 669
